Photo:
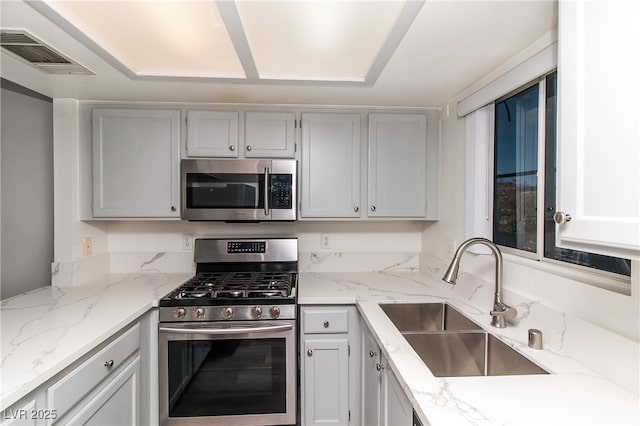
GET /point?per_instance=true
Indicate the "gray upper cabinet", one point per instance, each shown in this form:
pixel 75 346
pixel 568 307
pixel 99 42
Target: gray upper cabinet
pixel 390 173
pixel 217 134
pixel 136 163
pixel 269 135
pixel 330 169
pixel 212 134
pixel 397 165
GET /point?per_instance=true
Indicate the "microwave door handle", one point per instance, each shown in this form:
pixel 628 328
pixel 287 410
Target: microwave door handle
pixel 225 331
pixel 266 191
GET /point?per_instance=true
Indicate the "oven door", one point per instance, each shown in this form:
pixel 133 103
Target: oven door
pixel 227 373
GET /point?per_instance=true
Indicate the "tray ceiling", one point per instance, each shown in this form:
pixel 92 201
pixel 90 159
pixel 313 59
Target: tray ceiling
pixel 311 41
pixel 427 53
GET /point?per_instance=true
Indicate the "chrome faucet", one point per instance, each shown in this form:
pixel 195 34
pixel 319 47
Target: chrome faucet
pixel 501 312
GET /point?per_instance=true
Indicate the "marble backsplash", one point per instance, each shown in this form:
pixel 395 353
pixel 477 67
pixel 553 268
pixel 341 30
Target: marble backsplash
pixel 87 270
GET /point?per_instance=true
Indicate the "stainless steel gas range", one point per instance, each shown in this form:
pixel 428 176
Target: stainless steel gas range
pixel 227 337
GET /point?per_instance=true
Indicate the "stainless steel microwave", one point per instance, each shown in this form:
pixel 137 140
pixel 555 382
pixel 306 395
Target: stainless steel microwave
pixel 238 190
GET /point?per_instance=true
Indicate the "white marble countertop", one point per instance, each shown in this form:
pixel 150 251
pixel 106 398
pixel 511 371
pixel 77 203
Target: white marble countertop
pixel 45 330
pixel 573 394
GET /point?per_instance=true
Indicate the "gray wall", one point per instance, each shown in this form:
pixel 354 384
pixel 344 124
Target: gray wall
pixel 26 196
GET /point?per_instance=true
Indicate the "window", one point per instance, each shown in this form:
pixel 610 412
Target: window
pixel 524 179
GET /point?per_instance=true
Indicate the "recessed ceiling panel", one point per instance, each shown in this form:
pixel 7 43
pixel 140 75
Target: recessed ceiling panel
pixel 158 38
pixel 317 40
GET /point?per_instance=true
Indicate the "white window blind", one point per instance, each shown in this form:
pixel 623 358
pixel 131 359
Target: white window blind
pixel 479 176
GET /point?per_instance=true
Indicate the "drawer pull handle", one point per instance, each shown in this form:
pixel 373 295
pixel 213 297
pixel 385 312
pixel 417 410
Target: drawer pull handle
pixel 109 364
pixel 326 324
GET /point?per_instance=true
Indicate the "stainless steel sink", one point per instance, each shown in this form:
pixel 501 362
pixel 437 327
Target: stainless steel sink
pixel 457 354
pixel 427 317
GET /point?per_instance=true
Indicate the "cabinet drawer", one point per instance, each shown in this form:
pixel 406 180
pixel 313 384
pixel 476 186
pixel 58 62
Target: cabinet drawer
pixel 67 392
pixel 326 321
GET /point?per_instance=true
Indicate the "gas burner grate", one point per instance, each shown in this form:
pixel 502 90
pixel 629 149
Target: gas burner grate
pixel 236 285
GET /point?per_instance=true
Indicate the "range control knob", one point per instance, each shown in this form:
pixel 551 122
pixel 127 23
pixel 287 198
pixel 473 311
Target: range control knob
pixel 274 311
pixel 227 313
pixel 179 313
pixel 256 312
pixel 199 313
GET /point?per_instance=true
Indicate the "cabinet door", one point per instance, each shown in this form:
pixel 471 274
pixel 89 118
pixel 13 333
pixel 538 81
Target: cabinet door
pixel 212 134
pixel 326 382
pixel 370 380
pixel 397 165
pixel 136 163
pixel 598 127
pixel 22 414
pixel 116 403
pixel 269 135
pixel 330 165
pixel 396 407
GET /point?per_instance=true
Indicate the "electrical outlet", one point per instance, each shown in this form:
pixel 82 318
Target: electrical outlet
pixel 187 241
pixel 325 241
pixel 86 246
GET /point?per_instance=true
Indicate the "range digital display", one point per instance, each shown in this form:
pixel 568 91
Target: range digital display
pixel 246 247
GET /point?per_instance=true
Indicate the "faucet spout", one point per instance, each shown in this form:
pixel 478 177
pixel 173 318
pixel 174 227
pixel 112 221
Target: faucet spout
pixel 501 312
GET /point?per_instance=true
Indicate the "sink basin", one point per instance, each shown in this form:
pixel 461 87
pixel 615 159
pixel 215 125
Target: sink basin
pixel 427 317
pixel 458 354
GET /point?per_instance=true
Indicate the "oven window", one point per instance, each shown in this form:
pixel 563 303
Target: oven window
pixel 224 191
pixel 227 377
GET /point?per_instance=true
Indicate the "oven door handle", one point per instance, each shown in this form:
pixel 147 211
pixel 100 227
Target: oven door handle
pixel 226 331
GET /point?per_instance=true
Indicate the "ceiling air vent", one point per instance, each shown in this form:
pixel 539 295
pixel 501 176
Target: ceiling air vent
pixel 35 52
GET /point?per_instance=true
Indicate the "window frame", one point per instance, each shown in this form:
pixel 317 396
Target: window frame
pixel 588 275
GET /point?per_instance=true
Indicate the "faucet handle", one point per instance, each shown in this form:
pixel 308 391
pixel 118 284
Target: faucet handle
pixel 502 314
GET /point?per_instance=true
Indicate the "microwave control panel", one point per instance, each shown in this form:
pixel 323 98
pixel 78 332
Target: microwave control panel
pixel 281 192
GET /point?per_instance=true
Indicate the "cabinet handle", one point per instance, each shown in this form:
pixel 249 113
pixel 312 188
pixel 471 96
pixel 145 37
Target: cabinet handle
pixel 372 354
pixel 561 217
pixel 356 209
pixel 173 208
pixel 373 208
pixel 248 147
pixel 309 352
pixel 326 324
pixel 379 367
pixel 232 148
pixel 109 364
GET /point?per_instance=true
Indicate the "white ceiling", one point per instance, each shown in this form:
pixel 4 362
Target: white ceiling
pixel 449 46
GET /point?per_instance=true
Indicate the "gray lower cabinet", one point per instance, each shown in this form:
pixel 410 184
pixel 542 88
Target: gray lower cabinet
pixel 384 402
pixel 26 412
pixel 371 365
pixel 104 388
pixel 395 407
pixel 115 402
pixel 113 385
pixel 330 365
